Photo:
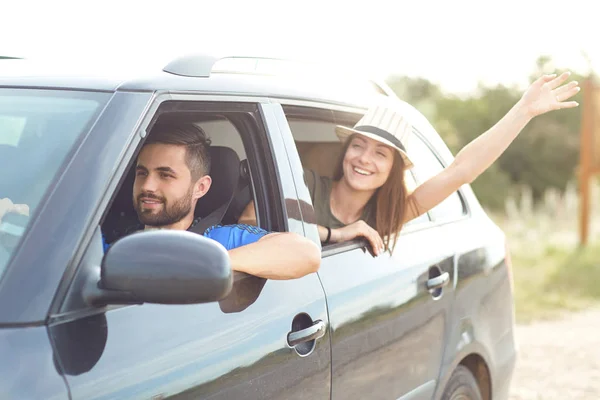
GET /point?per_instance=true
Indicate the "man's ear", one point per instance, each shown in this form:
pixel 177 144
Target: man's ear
pixel 202 186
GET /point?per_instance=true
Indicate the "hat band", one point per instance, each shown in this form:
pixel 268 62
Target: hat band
pixel 380 132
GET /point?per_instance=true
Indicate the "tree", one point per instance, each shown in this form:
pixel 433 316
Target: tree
pixel 544 156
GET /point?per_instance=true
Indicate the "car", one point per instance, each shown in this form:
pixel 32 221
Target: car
pixel 434 319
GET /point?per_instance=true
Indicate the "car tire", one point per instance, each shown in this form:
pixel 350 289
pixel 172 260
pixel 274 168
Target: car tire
pixel 462 386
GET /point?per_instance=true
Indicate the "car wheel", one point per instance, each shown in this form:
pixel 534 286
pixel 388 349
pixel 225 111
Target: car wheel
pixel 462 386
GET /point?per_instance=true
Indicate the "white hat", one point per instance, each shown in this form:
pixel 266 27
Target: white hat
pixel 384 124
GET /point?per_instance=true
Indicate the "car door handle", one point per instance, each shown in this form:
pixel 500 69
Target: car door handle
pixel 439 281
pixel 313 332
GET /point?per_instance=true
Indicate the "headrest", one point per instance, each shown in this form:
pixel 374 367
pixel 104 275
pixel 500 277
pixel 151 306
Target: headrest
pixel 225 174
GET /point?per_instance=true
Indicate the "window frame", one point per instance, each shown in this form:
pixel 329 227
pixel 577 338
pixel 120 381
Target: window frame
pixel 339 114
pixel 252 130
pixel 465 206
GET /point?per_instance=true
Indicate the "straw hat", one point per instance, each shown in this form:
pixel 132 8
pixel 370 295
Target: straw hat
pixel 384 124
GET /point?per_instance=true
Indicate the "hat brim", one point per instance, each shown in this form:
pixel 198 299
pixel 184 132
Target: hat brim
pixel 344 133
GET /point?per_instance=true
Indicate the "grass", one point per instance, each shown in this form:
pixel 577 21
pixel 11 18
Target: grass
pixel 556 281
pixel 552 273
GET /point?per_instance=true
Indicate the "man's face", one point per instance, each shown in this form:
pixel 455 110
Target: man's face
pixel 163 192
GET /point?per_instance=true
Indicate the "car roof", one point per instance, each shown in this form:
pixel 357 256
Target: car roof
pixel 200 73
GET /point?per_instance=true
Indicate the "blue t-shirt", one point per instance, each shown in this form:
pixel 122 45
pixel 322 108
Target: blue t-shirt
pixel 230 236
pixel 233 236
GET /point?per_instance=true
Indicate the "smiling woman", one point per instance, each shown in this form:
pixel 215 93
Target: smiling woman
pixel 373 172
pixel 367 195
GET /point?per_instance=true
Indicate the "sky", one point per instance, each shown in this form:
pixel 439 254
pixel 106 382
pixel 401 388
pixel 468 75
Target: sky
pixel 456 44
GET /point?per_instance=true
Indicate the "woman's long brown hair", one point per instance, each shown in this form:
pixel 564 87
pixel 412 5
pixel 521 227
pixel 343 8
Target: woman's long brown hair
pixel 390 199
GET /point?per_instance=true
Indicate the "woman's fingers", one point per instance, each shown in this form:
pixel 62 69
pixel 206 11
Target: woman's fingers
pixel 569 104
pixel 566 87
pixel 370 238
pixel 360 228
pixel 374 243
pixel 547 78
pixel 371 235
pixel 559 80
pixel 567 93
pixel 378 242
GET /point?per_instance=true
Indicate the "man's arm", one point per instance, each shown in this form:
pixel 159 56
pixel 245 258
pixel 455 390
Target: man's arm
pixel 277 256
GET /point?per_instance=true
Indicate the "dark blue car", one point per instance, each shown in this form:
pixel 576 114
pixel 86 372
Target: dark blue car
pixel 433 320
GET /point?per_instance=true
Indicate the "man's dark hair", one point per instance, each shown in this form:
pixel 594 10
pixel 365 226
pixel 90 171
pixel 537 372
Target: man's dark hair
pixel 189 135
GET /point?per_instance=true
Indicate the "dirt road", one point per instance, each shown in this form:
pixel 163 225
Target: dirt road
pixel 559 359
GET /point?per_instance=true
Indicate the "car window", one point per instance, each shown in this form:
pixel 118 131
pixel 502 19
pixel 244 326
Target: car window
pixel 227 154
pixel 38 128
pixel 319 148
pixel 236 144
pixel 12 128
pixel 426 166
pixel 411 185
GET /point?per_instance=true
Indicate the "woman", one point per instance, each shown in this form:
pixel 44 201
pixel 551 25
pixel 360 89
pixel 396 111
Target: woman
pixel 368 197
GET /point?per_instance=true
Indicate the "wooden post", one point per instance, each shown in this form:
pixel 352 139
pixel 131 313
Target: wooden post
pixel 585 164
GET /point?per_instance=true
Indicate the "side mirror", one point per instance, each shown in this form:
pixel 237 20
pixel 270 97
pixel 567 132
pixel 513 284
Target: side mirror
pixel 163 267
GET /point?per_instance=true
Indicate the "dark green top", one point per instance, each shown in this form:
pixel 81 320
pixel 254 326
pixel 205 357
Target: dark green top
pixel 320 193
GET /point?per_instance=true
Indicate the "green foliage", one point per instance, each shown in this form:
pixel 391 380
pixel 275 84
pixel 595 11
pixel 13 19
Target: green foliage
pixel 544 156
pixel 556 281
pixel 493 187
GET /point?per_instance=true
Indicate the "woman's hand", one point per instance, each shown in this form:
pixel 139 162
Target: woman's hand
pixel 547 94
pixel 359 229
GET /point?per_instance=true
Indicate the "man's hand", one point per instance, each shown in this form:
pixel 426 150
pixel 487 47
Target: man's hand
pixel 6 206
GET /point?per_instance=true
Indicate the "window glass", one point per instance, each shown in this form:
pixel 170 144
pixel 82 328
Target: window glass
pixel 38 128
pixel 12 128
pixel 411 185
pixel 426 166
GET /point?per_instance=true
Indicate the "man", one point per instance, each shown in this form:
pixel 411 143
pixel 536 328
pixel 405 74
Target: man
pixel 172 173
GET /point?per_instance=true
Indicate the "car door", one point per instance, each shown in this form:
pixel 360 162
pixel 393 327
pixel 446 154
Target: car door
pixel 388 314
pixel 239 347
pixel 387 328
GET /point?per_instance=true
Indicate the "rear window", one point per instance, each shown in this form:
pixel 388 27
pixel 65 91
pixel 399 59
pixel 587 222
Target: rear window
pixel 428 165
pixel 38 128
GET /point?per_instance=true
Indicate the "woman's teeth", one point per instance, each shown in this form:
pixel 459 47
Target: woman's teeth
pixel 362 171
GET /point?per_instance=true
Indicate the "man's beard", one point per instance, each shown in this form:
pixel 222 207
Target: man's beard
pixel 168 215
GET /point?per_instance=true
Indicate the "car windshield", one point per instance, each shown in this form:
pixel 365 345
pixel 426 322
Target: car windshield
pixel 38 129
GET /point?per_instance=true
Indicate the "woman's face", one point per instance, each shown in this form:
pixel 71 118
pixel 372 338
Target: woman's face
pixel 367 163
